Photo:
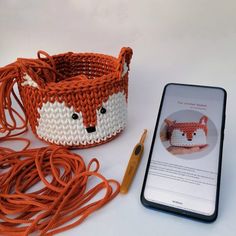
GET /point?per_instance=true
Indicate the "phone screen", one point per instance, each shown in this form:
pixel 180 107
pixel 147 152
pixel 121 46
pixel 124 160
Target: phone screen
pixel 185 157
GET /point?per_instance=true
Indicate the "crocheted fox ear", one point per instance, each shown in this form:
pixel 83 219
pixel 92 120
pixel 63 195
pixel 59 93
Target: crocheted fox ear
pixel 203 120
pixel 28 81
pixel 124 60
pixel 169 122
pixel 37 73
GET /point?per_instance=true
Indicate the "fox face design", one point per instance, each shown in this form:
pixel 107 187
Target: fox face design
pixel 62 125
pixel 75 99
pixel 187 134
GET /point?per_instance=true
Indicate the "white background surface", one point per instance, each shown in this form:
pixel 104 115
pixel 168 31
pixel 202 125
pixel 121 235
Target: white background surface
pixel 182 41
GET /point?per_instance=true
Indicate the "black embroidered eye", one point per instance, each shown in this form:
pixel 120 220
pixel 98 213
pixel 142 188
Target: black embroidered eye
pixel 182 134
pixel 74 116
pixel 103 110
pixel 194 133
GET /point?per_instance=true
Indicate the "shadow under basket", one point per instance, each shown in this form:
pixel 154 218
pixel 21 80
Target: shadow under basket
pixel 71 99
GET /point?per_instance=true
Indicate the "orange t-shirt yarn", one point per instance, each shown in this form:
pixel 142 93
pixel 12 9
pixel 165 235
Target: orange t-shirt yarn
pixel 63 196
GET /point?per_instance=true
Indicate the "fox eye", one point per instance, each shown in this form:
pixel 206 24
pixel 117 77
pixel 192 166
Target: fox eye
pixel 75 116
pixel 103 110
pixel 182 134
pixel 194 133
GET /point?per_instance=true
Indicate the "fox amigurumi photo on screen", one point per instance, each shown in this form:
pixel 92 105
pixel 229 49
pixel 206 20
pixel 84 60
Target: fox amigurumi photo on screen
pixel 187 134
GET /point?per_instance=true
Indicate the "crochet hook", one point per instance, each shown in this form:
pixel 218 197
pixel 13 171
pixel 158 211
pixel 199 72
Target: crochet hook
pixel 133 164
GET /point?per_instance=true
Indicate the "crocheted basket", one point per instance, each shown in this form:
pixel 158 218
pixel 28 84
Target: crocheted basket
pixel 187 134
pixel 74 99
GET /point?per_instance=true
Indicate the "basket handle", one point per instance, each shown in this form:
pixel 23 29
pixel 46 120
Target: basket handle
pixel 124 59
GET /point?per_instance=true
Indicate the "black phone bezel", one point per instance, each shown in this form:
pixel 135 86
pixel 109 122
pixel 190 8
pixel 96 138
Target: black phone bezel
pixel 174 210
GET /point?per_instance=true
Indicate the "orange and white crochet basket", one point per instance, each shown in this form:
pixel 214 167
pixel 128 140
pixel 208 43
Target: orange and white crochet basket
pixel 71 99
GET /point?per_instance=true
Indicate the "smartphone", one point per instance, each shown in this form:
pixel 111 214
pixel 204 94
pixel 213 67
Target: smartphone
pixel 184 165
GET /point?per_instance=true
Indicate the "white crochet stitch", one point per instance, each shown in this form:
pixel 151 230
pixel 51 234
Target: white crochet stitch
pixel 125 69
pixel 29 82
pixel 56 124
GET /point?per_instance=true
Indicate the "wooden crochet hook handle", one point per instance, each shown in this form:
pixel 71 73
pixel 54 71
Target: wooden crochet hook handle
pixel 133 164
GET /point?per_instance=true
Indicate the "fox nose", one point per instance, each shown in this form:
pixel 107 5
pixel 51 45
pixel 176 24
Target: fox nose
pixel 91 129
pixel 189 139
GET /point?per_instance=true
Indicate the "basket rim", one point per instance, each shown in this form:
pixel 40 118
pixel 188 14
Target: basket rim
pixel 81 81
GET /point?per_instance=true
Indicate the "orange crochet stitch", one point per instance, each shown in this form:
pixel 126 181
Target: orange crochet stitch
pixel 71 99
